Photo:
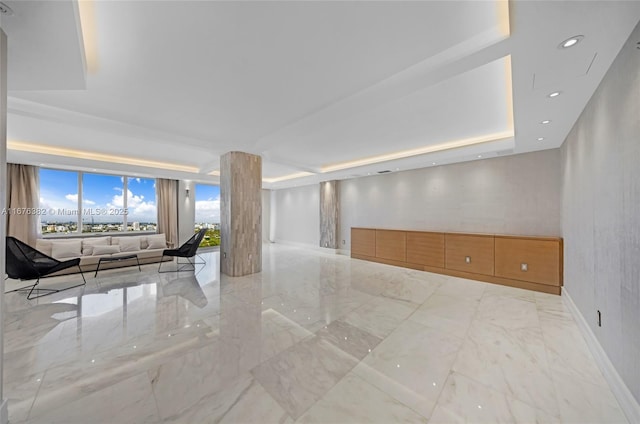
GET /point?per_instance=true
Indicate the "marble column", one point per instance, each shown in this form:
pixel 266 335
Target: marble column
pixel 4 417
pixel 329 217
pixel 240 214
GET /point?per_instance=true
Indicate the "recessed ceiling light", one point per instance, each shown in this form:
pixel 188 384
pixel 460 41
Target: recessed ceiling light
pixel 479 156
pixel 554 94
pixel 433 163
pixel 5 10
pixel 540 138
pixel 546 121
pixel 570 42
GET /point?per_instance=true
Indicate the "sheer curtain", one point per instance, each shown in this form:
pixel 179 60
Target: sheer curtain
pixel 167 196
pixel 22 196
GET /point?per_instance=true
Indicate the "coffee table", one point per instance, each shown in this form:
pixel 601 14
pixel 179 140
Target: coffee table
pixel 111 259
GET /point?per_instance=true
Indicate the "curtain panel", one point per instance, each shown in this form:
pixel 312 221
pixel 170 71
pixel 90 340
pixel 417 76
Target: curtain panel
pixel 23 186
pixel 167 198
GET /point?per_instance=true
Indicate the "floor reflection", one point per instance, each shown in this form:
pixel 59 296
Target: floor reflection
pixel 312 338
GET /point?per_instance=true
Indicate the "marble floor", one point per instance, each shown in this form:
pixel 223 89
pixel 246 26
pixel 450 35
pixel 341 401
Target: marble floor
pixel 314 338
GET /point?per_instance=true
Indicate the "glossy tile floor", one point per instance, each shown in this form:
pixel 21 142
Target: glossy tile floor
pixel 313 338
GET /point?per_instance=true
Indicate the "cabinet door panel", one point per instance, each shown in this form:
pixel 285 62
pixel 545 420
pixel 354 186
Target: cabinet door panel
pixel 391 244
pixel 425 248
pixel 470 253
pixel 363 242
pixel 529 259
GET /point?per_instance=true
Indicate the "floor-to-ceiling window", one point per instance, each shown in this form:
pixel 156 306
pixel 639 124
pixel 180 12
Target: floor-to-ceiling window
pixel 208 213
pixel 58 201
pixel 79 202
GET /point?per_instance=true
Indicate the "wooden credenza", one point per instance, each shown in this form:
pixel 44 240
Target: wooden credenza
pixel 533 263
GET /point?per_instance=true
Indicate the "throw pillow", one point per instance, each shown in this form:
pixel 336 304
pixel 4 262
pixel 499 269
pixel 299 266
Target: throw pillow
pixel 89 244
pixel 157 241
pixel 129 244
pixel 66 249
pixel 105 250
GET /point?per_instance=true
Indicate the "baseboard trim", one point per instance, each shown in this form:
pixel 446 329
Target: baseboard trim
pixel 4 411
pixel 627 401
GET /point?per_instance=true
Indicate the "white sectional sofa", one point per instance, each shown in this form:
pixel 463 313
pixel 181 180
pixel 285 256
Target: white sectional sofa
pixel 90 249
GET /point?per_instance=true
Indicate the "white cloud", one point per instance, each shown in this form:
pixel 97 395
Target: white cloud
pixel 61 208
pixel 208 211
pixel 138 208
pixel 74 198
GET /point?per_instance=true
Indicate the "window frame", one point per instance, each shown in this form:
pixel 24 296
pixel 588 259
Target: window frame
pixel 79 216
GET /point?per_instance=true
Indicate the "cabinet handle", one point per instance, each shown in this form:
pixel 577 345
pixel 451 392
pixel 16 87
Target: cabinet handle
pixel 467 259
pixel 524 267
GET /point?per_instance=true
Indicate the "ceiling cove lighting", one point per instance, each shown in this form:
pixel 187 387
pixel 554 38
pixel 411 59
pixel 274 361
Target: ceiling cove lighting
pixel 275 179
pixel 447 145
pixel 570 42
pixel 81 154
pixel 554 94
pixel 419 151
pixel 86 9
pixel 503 18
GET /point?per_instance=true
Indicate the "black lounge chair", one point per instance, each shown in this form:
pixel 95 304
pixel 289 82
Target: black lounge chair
pixel 187 250
pixel 23 262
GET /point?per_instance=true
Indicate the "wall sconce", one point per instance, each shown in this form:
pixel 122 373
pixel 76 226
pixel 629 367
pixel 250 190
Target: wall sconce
pixel 187 193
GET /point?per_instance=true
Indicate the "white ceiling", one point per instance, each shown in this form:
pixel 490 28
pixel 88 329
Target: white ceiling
pixel 304 84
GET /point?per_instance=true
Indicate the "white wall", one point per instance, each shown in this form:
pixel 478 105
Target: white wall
pixel 517 194
pixel 601 208
pixel 297 215
pixel 186 210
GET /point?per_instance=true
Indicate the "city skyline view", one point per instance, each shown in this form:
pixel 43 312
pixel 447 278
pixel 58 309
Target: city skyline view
pixel 103 202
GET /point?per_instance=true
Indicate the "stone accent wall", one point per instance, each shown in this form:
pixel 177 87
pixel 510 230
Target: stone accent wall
pixel 329 214
pixel 240 214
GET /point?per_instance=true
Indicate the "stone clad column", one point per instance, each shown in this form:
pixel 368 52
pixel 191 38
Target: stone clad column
pixel 329 217
pixel 240 214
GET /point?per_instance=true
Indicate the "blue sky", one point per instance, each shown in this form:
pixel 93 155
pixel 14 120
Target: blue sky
pixel 207 204
pixel 59 190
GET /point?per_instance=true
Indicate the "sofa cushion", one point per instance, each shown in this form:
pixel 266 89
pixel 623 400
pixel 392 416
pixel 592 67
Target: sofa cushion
pixel 128 244
pixel 105 250
pixel 157 241
pixel 66 249
pixel 44 246
pixel 89 243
